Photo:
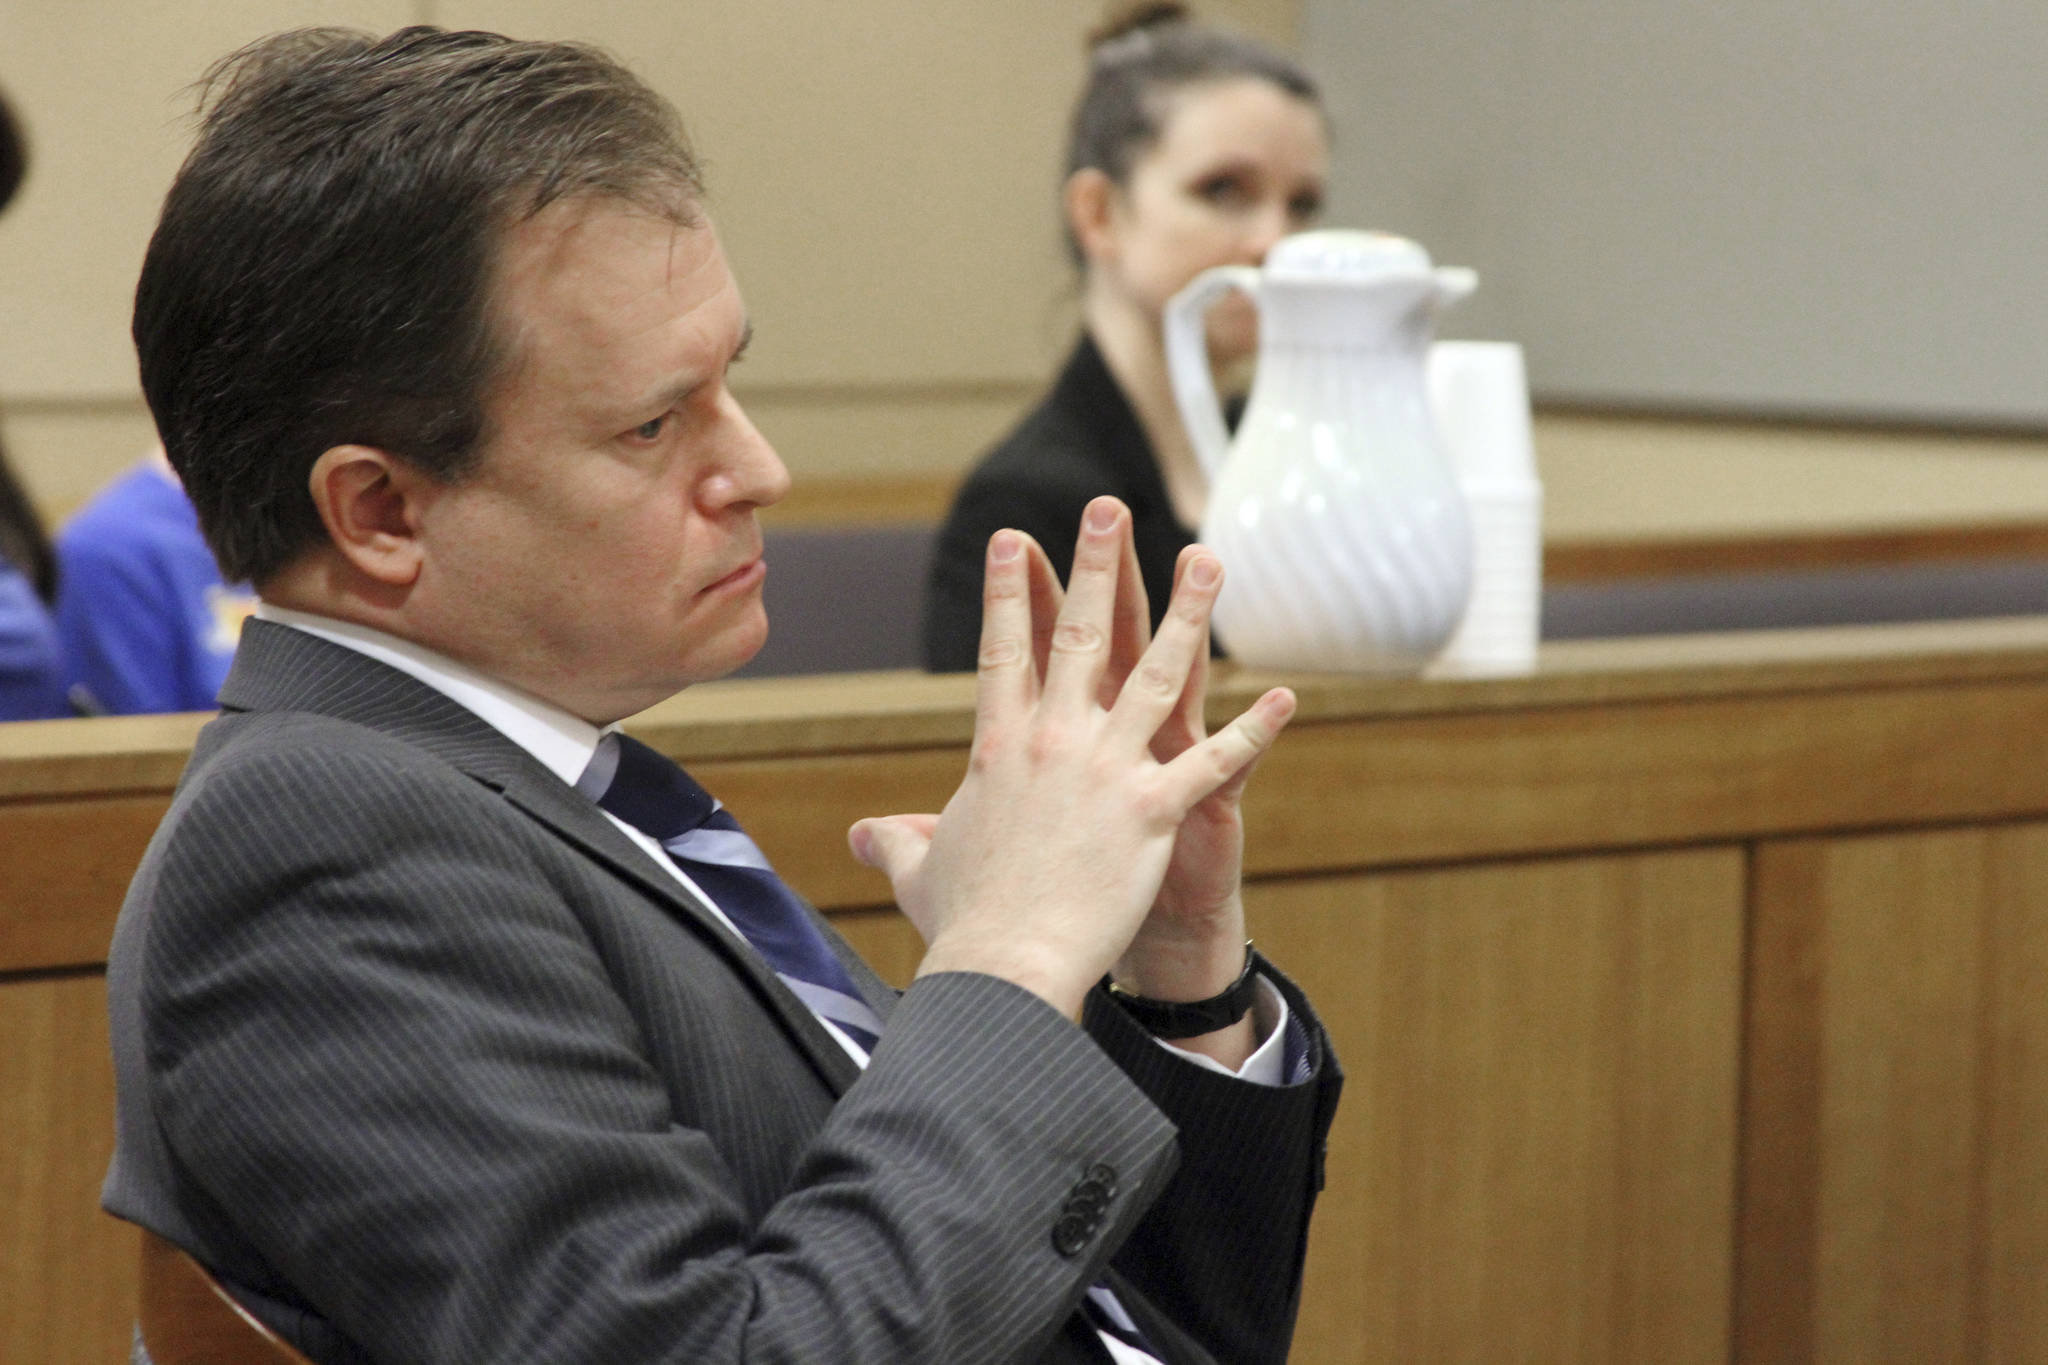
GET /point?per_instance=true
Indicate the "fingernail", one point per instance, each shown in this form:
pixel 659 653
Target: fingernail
pixel 1005 547
pixel 861 841
pixel 1101 516
pixel 1204 573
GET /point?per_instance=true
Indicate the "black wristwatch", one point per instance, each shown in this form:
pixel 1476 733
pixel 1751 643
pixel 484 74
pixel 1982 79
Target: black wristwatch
pixel 1192 1018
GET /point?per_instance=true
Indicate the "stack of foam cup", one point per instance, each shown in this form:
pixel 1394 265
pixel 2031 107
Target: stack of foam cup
pixel 1479 392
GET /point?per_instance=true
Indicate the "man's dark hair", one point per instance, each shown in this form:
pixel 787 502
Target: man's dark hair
pixel 322 273
pixel 1141 57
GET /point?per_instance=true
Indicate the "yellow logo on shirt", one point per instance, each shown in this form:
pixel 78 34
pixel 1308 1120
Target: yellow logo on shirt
pixel 230 607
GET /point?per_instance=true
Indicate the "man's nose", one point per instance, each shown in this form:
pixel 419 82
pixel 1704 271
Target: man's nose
pixel 749 469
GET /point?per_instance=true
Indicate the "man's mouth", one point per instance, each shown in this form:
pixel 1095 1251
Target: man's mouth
pixel 745 576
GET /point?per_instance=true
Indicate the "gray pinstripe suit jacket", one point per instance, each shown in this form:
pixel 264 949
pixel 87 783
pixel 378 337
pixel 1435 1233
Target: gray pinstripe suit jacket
pixel 429 1062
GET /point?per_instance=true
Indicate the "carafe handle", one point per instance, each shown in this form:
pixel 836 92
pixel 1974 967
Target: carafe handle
pixel 1187 360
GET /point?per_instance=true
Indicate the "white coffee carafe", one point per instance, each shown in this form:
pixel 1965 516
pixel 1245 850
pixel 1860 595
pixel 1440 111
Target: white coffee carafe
pixel 1344 538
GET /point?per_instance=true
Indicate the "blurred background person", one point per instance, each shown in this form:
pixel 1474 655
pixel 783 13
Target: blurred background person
pixel 1190 148
pixel 146 622
pixel 31 686
pixel 31 679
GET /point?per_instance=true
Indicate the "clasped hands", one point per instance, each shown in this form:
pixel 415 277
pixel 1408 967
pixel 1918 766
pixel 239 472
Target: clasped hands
pixel 1098 825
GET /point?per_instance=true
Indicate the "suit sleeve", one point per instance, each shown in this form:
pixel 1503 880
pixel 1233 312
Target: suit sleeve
pixel 380 1039
pixel 1221 1250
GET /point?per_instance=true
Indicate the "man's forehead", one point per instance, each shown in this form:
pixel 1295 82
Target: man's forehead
pixel 612 308
pixel 590 242
pixel 594 275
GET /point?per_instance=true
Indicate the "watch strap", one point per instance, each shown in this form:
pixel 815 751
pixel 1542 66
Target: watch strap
pixel 1192 1018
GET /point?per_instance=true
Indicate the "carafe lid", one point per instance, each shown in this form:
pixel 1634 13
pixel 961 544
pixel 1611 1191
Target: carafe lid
pixel 1345 254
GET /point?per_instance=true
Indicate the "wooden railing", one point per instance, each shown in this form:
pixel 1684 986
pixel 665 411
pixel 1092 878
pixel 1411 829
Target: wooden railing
pixel 1693 991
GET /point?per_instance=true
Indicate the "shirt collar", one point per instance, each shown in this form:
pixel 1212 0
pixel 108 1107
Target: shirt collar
pixel 561 742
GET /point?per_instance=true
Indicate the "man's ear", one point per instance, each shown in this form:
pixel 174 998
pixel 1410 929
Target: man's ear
pixel 1089 199
pixel 369 502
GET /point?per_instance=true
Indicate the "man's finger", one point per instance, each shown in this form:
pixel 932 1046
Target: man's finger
pixel 1154 695
pixel 1214 763
pixel 1007 680
pixel 1047 596
pixel 1080 642
pixel 1130 628
pixel 1189 723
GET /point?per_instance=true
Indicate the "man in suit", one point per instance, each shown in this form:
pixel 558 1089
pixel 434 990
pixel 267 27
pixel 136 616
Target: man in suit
pixel 431 1049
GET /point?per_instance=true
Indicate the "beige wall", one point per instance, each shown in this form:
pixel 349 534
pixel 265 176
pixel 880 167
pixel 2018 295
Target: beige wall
pixel 1750 206
pixel 883 173
pixel 884 176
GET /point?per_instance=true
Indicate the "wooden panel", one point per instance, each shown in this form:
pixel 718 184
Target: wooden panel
pixel 1529 1147
pixel 67 1271
pixel 1604 561
pixel 1896 1156
pixel 187 1318
pixel 1534 1160
pixel 885 940
pixel 1721 768
pixel 1781 1091
pixel 67 867
pixel 1504 782
pixel 836 503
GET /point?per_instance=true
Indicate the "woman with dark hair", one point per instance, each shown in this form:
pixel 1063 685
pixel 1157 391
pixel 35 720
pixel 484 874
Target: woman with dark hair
pixel 31 685
pixel 1191 148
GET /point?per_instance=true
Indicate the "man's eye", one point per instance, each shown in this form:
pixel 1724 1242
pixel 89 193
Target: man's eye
pixel 647 431
pixel 1305 207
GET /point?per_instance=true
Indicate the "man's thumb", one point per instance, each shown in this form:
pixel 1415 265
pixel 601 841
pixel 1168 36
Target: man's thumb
pixel 892 845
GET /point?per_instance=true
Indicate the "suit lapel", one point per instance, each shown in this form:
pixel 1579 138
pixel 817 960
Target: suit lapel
pixel 580 822
pixel 277 668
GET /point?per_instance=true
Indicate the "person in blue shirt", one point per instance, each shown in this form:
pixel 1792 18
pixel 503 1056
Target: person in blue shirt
pixel 31 685
pixel 146 622
pixel 31 681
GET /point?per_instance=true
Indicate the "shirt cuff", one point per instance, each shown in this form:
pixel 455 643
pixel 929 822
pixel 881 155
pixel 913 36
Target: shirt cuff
pixel 1268 1063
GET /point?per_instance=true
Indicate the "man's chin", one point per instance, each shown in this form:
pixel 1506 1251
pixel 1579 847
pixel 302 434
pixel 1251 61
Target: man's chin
pixel 733 650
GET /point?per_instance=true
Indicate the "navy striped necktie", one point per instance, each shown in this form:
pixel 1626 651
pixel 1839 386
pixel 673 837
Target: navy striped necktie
pixel 656 797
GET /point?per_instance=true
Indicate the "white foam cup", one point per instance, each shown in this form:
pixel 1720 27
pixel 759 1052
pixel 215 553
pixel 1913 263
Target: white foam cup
pixel 1479 396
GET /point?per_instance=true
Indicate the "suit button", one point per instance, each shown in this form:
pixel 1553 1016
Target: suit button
pixel 1104 1176
pixel 1071 1233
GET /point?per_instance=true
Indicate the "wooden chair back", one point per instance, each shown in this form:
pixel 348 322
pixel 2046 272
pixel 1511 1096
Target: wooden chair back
pixel 188 1319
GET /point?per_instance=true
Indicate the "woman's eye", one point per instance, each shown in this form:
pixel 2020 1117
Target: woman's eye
pixel 1223 190
pixel 647 431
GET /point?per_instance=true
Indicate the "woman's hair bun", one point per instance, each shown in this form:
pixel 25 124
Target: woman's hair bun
pixel 13 153
pixel 1136 18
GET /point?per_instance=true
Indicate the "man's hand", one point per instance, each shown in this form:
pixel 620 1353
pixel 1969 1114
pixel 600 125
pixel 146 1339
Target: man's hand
pixel 1088 757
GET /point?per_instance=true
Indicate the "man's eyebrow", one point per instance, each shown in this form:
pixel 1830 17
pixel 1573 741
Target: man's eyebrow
pixel 676 393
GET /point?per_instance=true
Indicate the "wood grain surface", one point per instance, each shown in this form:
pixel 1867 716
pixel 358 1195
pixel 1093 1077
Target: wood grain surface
pixel 1535 1155
pixel 67 1271
pixel 1895 1203
pixel 1693 992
